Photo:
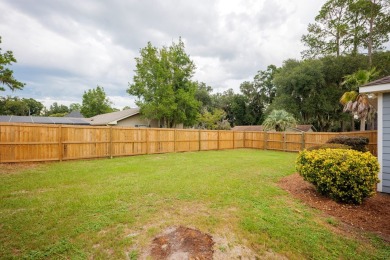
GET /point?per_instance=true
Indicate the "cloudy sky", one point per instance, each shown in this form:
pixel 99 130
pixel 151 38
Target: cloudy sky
pixel 66 47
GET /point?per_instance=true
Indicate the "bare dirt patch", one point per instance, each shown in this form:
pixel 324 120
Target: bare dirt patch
pixel 189 243
pixel 372 215
pixel 225 244
pixel 182 243
pixel 12 168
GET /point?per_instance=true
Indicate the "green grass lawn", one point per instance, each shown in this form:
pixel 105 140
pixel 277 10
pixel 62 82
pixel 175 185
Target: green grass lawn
pixel 113 208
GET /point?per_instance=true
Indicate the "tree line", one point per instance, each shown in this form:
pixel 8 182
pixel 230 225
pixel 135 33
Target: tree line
pixel 94 102
pixel 345 40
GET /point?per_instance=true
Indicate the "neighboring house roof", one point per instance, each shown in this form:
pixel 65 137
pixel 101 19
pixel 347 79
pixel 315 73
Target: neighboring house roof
pixel 303 128
pixel 112 118
pixel 43 120
pixel 380 85
pixel 75 114
pixel 385 80
pixel 259 128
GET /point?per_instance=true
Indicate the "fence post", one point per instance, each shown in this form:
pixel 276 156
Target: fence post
pixel 234 145
pixel 244 140
pixel 111 142
pixel 60 150
pixel 303 141
pixel 265 140
pixel 147 141
pixel 199 135
pixel 174 141
pixel 218 139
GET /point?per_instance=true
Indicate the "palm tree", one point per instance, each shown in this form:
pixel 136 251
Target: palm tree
pixel 358 104
pixel 279 120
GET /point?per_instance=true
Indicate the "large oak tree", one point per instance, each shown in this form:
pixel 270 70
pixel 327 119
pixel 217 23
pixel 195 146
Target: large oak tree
pixel 164 87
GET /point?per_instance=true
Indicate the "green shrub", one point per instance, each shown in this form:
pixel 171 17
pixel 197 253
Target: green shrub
pixel 358 143
pixel 329 146
pixel 344 175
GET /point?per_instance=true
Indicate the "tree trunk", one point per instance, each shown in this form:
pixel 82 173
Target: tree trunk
pixel 370 35
pixel 338 44
pixel 355 40
pixel 363 124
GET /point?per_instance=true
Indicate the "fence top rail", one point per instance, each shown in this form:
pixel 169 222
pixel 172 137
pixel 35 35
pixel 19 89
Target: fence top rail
pixel 207 130
pixel 86 126
pixel 53 125
pixel 29 124
pixel 342 133
pixel 177 129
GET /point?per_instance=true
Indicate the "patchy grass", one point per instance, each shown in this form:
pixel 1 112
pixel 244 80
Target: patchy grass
pixel 113 208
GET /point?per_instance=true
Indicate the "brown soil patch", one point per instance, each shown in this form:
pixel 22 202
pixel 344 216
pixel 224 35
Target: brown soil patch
pixel 372 215
pixel 11 168
pixel 182 243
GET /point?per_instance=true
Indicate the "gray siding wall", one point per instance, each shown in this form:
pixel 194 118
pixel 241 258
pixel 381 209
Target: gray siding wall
pixel 386 144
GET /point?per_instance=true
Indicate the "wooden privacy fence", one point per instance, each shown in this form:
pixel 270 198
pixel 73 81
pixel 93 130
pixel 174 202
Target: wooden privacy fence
pixel 39 142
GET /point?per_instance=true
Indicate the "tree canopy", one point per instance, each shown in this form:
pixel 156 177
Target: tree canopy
pixel 347 27
pixel 311 89
pixel 74 107
pixel 20 107
pixel 95 102
pixel 6 74
pixel 164 87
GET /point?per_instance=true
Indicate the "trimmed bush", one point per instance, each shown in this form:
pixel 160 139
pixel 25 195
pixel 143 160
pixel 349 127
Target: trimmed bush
pixel 344 175
pixel 329 146
pixel 358 143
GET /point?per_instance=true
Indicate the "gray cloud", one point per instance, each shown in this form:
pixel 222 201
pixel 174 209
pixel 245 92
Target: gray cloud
pixel 65 47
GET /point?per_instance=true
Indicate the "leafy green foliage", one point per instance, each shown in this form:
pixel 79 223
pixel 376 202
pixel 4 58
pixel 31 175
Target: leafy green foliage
pixel 311 89
pixel 162 82
pixel 236 106
pixel 248 107
pixel 213 120
pixel 57 109
pixel 329 146
pixel 328 34
pixel 13 106
pixel 360 77
pixel 264 85
pixel 35 107
pixel 74 107
pixel 20 107
pixel 6 74
pixel 95 102
pixel 347 26
pixel 358 143
pixel 204 97
pixel 279 120
pixel 303 91
pixel 344 175
pixel 58 114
